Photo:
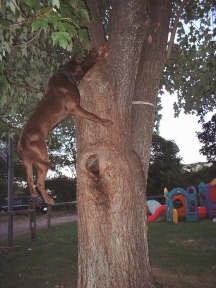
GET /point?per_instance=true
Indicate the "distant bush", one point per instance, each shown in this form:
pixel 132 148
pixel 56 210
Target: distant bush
pixel 64 188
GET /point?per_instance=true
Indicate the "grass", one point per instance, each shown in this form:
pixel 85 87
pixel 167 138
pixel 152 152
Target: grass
pixel 49 261
pixel 182 255
pixel 185 253
pixel 186 245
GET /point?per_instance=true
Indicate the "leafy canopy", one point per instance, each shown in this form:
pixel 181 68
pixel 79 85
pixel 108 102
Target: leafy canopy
pixel 61 22
pixel 190 71
pixel 38 36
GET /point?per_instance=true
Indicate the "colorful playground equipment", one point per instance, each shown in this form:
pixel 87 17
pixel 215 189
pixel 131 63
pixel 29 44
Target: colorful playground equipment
pixel 182 205
pixel 207 193
pixel 156 211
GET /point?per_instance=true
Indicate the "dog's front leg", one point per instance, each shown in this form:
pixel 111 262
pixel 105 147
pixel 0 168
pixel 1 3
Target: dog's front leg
pixel 79 111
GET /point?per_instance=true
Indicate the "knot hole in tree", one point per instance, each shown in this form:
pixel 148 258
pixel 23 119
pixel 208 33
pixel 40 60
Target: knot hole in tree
pixel 98 187
pixel 92 166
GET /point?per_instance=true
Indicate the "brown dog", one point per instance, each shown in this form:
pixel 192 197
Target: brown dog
pixel 61 100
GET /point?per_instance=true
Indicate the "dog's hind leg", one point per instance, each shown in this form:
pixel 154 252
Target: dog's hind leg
pixel 29 178
pixel 41 177
pixel 41 164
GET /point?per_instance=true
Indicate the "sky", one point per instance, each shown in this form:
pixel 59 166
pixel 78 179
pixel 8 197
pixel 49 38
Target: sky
pixel 182 130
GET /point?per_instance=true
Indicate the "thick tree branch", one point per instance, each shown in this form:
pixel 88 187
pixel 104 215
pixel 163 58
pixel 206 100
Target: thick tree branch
pixel 95 27
pixel 174 28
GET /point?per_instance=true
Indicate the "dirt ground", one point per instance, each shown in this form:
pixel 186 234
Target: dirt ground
pixel 169 280
pixel 21 224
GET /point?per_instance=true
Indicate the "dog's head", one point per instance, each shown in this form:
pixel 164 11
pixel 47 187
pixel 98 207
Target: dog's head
pixel 78 67
pixel 93 55
pixel 89 60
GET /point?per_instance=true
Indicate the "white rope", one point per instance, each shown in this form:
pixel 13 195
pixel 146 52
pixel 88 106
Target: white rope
pixel 142 103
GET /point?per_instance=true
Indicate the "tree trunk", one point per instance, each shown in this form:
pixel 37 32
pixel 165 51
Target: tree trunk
pixel 112 228
pixel 113 249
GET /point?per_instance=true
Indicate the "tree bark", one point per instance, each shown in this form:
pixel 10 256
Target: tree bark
pixel 112 228
pixel 152 61
pixel 113 249
pixel 95 28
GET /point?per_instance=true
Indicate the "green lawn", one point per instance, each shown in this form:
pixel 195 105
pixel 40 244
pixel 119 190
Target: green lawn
pixel 185 253
pixel 48 261
pixel 182 255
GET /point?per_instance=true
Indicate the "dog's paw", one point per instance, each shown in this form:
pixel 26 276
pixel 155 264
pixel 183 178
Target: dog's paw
pixel 34 194
pixel 49 201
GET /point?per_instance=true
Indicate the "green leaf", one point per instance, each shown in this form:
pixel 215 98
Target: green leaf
pixel 58 25
pixel 84 14
pixel 70 28
pixel 39 23
pixel 83 34
pixel 63 39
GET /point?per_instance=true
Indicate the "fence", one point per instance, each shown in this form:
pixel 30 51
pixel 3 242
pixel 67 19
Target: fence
pixel 32 223
pixel 50 210
pixel 31 213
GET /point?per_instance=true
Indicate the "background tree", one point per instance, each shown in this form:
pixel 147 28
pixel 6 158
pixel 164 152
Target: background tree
pixel 63 187
pixel 165 169
pixel 113 163
pixel 205 174
pixel 208 139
